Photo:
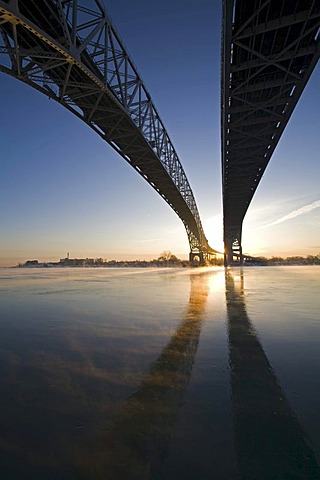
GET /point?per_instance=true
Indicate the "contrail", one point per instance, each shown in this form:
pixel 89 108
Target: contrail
pixel 295 213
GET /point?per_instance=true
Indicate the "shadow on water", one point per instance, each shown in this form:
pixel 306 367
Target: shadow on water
pixel 137 444
pixel 270 442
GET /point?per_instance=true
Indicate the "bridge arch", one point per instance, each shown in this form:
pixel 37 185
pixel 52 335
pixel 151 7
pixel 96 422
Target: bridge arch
pixel 72 53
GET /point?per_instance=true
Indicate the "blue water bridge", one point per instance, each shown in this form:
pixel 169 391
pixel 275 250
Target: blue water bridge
pixel 70 51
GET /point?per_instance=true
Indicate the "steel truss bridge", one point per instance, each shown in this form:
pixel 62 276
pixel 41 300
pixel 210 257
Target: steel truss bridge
pixel 269 50
pixel 70 51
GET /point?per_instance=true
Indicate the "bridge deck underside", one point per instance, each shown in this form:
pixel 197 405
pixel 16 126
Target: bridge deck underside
pixel 80 62
pixel 270 50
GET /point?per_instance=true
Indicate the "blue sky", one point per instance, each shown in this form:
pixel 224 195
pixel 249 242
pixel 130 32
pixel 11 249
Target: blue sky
pixel 62 189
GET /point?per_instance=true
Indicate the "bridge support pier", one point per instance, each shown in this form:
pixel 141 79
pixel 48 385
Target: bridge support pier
pixel 232 257
pixel 196 258
pixel 233 249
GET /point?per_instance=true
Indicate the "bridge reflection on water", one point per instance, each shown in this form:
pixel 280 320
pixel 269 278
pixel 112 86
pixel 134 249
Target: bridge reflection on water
pixel 85 395
pixel 270 442
pixel 136 447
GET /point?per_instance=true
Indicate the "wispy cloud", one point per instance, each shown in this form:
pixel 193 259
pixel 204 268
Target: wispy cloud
pixel 300 211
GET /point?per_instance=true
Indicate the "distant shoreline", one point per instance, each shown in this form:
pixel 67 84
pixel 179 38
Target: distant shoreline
pixel 167 261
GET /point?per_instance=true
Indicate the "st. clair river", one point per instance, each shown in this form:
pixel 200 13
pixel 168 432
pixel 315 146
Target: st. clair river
pixel 167 374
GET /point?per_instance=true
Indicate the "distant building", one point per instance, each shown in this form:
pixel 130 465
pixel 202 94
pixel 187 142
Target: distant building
pixel 31 262
pixel 79 262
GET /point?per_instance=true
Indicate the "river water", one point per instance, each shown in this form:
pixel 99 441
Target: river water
pixel 164 374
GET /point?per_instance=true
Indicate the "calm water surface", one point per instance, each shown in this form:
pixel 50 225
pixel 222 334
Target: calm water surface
pixel 161 374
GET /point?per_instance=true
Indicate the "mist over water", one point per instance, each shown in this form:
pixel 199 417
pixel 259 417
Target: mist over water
pixel 160 373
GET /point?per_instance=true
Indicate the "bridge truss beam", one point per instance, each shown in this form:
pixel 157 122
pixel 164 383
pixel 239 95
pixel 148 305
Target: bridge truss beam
pixel 70 51
pixel 269 50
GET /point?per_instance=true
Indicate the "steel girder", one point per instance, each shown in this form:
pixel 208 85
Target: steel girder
pixel 269 50
pixel 70 51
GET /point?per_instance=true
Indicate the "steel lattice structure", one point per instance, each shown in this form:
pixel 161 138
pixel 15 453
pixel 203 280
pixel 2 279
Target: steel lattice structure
pixel 70 51
pixel 269 50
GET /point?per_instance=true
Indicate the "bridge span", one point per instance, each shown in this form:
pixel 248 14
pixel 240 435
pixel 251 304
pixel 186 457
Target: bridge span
pixel 70 51
pixel 269 50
